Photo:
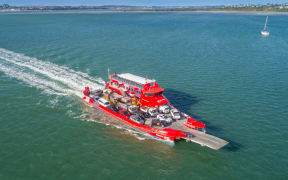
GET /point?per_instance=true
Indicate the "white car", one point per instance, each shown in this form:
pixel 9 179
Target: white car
pixel 151 111
pixel 175 114
pixel 104 102
pixel 132 109
pixel 164 109
pixel 162 117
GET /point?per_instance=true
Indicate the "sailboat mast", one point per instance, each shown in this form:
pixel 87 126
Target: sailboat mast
pixel 266 23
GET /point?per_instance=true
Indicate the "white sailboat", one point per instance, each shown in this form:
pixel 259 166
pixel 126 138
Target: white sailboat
pixel 264 32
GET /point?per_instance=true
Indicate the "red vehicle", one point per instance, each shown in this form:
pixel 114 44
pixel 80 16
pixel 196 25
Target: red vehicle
pixel 124 113
pixel 126 90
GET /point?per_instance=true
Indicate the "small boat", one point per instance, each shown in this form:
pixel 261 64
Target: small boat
pixel 264 32
pixel 138 103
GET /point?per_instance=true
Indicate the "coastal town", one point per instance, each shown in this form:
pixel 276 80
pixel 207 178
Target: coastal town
pixel 240 7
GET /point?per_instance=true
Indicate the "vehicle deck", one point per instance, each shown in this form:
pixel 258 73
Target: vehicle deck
pixel 192 135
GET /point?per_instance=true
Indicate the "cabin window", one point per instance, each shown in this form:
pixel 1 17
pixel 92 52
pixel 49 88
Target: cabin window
pixel 153 94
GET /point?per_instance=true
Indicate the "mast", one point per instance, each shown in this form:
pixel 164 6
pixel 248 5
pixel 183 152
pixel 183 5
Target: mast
pixel 265 23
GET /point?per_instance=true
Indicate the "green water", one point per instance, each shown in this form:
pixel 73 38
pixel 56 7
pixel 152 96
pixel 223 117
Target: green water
pixel 215 67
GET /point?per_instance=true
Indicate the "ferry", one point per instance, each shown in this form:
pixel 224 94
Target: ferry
pixel 140 104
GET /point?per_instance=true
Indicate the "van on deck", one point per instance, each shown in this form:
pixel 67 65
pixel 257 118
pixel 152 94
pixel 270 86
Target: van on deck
pixel 104 102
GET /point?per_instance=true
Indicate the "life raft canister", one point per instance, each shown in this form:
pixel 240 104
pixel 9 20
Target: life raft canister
pixel 86 91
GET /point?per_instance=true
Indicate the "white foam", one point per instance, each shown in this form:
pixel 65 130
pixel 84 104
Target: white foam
pixel 53 79
pixel 50 77
pixel 48 87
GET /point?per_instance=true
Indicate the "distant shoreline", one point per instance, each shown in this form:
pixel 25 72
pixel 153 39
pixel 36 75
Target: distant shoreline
pixel 3 12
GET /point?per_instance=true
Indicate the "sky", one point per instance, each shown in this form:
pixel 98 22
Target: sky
pixel 139 2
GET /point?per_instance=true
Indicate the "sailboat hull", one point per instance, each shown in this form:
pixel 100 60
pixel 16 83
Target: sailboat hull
pixel 265 33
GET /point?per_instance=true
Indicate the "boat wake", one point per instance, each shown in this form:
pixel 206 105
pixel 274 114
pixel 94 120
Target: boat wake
pixel 44 75
pixel 54 79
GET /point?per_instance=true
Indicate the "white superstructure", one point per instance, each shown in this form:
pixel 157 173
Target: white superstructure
pixel 135 78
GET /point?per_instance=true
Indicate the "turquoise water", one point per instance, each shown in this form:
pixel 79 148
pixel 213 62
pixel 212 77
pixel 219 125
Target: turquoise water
pixel 215 67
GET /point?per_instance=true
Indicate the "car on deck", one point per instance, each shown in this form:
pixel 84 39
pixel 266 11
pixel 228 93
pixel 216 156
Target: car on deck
pixel 132 109
pixel 164 109
pixel 164 120
pixel 175 114
pixel 104 102
pixel 137 119
pixel 125 113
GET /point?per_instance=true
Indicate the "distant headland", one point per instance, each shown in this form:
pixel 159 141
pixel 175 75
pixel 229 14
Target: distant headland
pixel 249 8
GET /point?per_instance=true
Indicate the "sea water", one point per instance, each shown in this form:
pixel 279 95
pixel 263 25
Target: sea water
pixel 214 66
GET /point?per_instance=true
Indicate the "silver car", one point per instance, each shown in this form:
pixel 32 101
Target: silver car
pixel 137 119
pixel 175 114
pixel 164 119
pixel 132 109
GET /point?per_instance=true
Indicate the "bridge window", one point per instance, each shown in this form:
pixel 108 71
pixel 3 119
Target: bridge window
pixel 153 94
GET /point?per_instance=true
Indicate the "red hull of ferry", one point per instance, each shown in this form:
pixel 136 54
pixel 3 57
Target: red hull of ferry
pixel 168 135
